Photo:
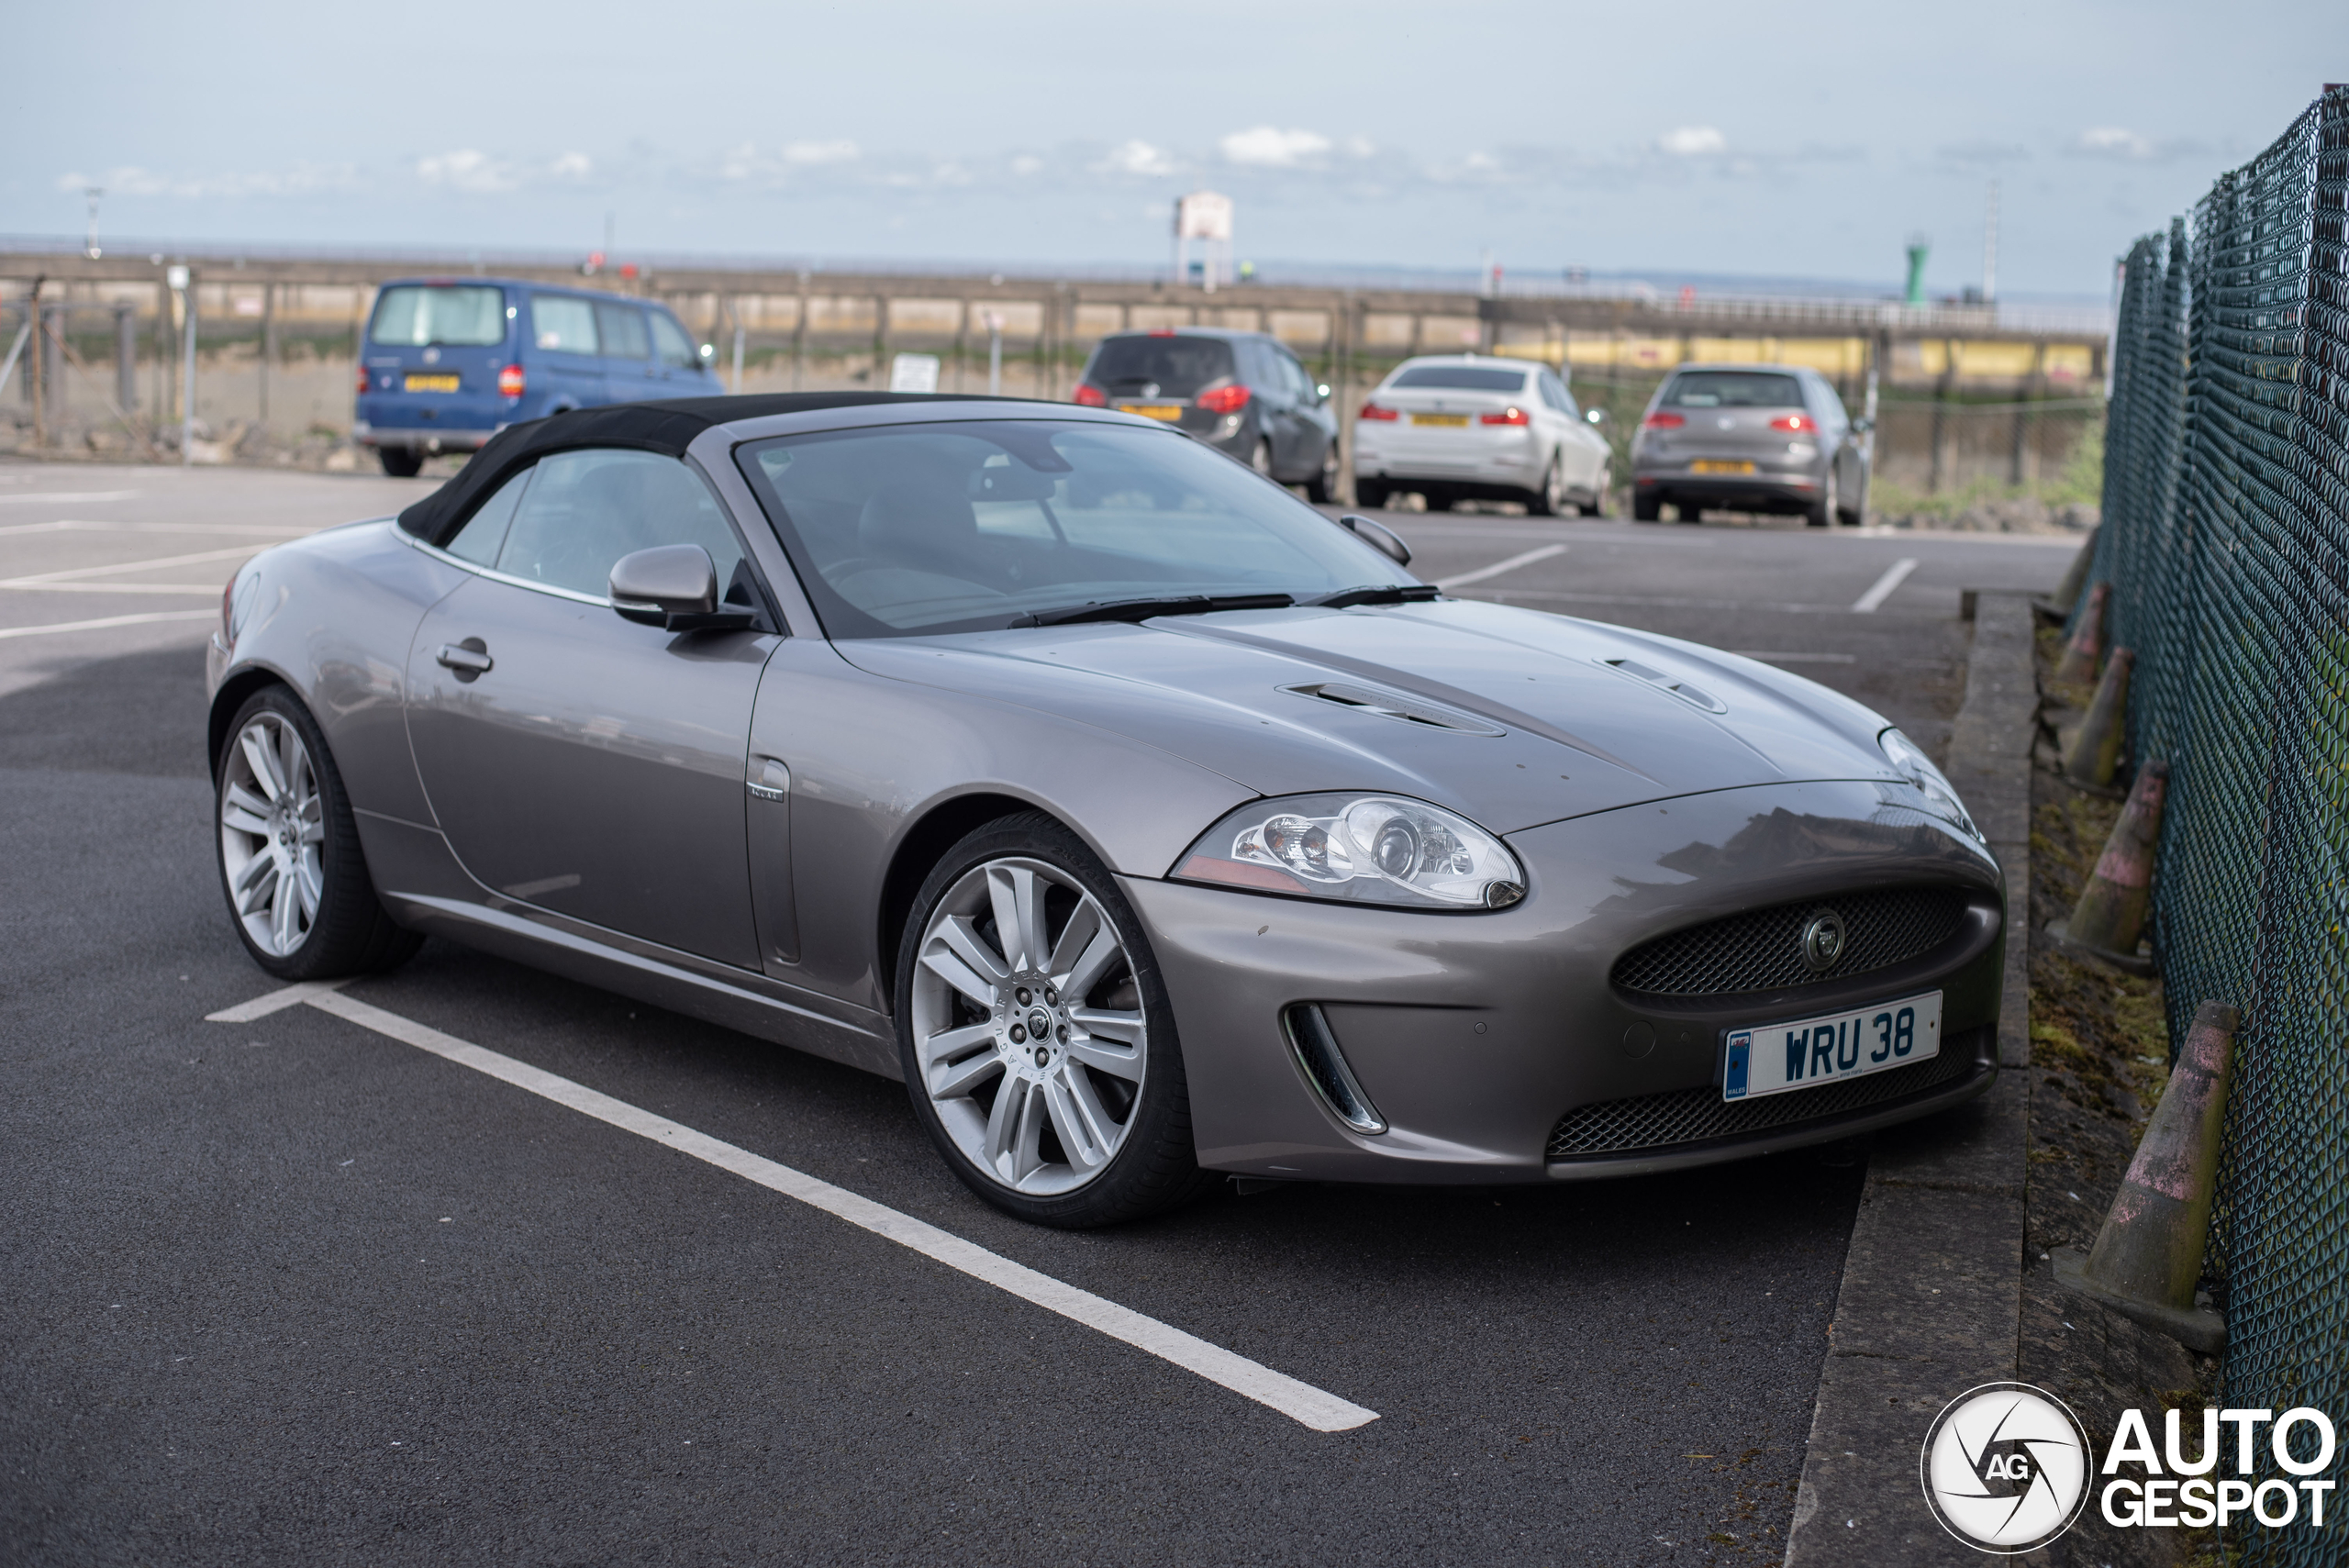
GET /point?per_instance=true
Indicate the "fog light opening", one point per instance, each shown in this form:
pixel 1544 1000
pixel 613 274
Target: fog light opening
pixel 1315 1047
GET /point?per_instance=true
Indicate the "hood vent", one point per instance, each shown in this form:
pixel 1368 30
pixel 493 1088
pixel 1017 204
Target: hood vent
pixel 1694 696
pixel 1393 705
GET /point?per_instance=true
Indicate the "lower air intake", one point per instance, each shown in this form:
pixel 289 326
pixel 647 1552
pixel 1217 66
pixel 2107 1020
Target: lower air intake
pixel 1698 1116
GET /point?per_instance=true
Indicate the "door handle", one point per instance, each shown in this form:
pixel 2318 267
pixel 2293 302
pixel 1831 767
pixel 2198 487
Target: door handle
pixel 469 659
pixel 772 782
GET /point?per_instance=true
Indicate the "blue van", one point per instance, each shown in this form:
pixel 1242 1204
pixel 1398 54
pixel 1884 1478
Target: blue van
pixel 450 362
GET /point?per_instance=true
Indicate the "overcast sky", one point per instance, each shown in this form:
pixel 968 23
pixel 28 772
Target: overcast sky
pixel 1805 139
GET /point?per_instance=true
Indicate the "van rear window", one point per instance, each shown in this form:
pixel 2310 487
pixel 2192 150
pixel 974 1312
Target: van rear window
pixel 1733 389
pixel 1178 367
pixel 460 315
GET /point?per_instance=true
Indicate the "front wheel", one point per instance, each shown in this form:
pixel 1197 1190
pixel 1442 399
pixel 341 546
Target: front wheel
pixel 291 866
pixel 1038 1043
pixel 400 462
pixel 1597 506
pixel 1324 485
pixel 1550 500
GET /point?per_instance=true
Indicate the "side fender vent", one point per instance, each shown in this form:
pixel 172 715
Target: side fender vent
pixel 1315 1047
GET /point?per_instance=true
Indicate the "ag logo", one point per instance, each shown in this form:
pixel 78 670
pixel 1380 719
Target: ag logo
pixel 1822 942
pixel 2006 1467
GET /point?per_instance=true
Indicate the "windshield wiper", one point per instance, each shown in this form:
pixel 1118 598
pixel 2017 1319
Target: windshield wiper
pixel 1378 594
pixel 1143 609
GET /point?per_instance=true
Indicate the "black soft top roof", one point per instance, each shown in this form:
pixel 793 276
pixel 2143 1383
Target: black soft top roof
pixel 668 427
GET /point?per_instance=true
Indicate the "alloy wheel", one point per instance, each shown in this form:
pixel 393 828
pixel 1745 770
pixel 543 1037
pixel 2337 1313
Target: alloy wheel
pixel 1027 1025
pixel 273 826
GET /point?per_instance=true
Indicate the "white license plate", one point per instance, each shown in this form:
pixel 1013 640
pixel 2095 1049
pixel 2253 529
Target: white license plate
pixel 1827 1048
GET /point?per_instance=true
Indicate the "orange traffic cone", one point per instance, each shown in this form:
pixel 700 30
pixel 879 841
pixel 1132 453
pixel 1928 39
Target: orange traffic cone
pixel 2081 654
pixel 2111 916
pixel 2148 1254
pixel 2096 749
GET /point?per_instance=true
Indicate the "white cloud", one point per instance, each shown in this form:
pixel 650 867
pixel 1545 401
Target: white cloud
pixel 1693 141
pixel 807 152
pixel 2114 142
pixel 571 166
pixel 1136 158
pixel 1027 164
pixel 1269 146
pixel 302 179
pixel 468 169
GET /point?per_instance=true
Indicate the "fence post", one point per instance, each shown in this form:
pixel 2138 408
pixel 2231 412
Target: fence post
pixel 1343 389
pixel 268 350
pixel 126 360
pixel 1942 463
pixel 37 367
pixel 799 334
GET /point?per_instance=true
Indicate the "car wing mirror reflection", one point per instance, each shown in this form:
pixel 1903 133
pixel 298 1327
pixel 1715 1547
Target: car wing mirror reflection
pixel 1378 536
pixel 673 586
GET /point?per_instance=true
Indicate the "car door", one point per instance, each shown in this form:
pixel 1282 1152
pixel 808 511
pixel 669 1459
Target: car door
pixel 562 356
pixel 1305 433
pixel 676 364
pixel 1835 435
pixel 1582 451
pixel 578 763
pixel 628 371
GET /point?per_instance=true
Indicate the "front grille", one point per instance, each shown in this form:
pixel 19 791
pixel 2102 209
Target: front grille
pixel 1762 949
pixel 1695 1116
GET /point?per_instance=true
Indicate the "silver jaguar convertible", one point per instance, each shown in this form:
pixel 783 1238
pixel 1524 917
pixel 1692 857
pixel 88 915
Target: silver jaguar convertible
pixel 1151 825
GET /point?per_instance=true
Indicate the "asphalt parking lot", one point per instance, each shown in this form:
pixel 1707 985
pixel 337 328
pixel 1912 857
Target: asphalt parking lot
pixel 294 1290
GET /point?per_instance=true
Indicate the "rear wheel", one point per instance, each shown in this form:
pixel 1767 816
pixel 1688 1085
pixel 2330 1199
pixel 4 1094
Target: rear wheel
pixel 1038 1043
pixel 400 462
pixel 1688 511
pixel 1821 512
pixel 291 866
pixel 1550 500
pixel 1262 459
pixel 1647 507
pixel 1370 494
pixel 1597 506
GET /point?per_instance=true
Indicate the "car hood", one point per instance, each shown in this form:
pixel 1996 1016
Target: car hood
pixel 1510 716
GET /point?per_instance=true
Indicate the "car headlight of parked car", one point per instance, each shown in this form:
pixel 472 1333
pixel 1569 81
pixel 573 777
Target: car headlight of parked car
pixel 1916 767
pixel 1364 849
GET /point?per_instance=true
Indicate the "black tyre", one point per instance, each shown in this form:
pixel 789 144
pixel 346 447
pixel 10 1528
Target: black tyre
pixel 1324 485
pixel 400 462
pixel 1688 511
pixel 291 867
pixel 1597 506
pixel 1043 1059
pixel 1261 459
pixel 1647 506
pixel 1821 512
pixel 1370 494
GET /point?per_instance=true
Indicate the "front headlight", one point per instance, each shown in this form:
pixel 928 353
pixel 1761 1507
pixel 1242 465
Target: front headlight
pixel 1909 758
pixel 1366 848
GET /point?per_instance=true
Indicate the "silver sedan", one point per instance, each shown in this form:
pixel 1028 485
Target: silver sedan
pixel 1151 827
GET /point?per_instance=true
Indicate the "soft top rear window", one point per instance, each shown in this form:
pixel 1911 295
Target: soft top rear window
pixel 1462 378
pixel 1178 367
pixel 460 315
pixel 1733 389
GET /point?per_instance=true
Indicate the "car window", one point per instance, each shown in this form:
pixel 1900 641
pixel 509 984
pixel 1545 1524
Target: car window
pixel 669 341
pixel 1299 383
pixel 620 328
pixel 1733 389
pixel 1554 392
pixel 902 530
pixel 1177 366
pixel 462 316
pixel 585 509
pixel 561 323
pixel 1828 402
pixel 483 534
pixel 1460 378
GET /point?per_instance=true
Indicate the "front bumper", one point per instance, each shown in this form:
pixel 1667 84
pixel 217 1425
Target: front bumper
pixel 1482 1037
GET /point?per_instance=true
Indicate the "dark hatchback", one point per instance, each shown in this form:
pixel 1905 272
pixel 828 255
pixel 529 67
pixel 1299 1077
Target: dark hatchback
pixel 1243 393
pixel 451 362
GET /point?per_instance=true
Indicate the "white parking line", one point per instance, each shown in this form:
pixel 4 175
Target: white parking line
pixel 89 525
pixel 105 621
pixel 108 588
pixel 1301 1402
pixel 236 552
pixel 1497 567
pixel 53 496
pixel 1894 576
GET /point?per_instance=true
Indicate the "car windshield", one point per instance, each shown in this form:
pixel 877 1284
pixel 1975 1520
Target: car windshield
pixel 901 530
pixel 1460 378
pixel 1733 389
pixel 461 315
pixel 1177 367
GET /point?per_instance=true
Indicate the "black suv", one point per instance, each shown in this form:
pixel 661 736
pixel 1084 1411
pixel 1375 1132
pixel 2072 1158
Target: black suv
pixel 1241 392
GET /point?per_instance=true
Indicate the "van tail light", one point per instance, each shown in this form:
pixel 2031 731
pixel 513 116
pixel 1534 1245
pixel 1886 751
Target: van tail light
pixel 362 378
pixel 1373 411
pixel 1509 416
pixel 1090 396
pixel 1660 421
pixel 1224 399
pixel 511 380
pixel 1795 424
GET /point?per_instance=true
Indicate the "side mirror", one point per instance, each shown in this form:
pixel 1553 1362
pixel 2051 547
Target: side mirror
pixel 673 586
pixel 1862 425
pixel 1379 536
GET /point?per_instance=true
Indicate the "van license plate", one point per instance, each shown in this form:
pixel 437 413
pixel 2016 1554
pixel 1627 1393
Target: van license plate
pixel 1169 412
pixel 1715 465
pixel 1451 421
pixel 1770 1059
pixel 432 383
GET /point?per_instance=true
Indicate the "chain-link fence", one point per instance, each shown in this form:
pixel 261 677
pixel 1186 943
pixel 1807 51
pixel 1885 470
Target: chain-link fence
pixel 2226 503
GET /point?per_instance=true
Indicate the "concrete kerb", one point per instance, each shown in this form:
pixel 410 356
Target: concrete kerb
pixel 1931 1297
